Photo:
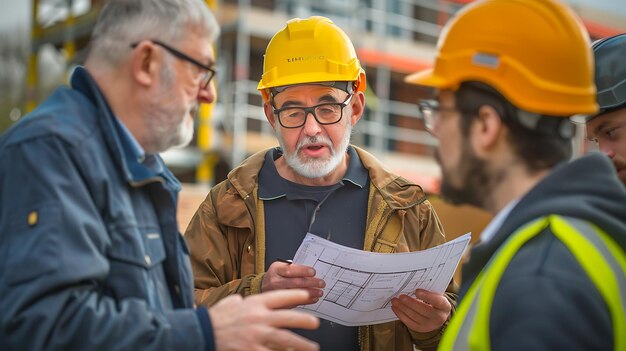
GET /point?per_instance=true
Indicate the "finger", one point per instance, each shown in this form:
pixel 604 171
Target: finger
pixel 423 315
pixel 312 300
pixel 282 298
pixel 286 340
pixel 295 270
pixel 405 318
pixel 438 301
pixel 292 319
pixel 296 283
pixel 276 282
pixel 315 293
pixel 413 308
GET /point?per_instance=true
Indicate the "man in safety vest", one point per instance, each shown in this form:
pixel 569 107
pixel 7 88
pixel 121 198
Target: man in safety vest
pixel 549 273
pixel 608 127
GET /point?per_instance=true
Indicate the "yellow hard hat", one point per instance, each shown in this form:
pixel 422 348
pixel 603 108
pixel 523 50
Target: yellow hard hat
pixel 310 50
pixel 535 52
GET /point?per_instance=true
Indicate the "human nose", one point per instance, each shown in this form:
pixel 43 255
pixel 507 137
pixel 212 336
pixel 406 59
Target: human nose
pixel 606 148
pixel 207 94
pixel 311 126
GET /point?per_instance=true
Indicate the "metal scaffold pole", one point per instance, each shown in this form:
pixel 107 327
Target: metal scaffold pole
pixel 31 78
pixel 205 133
pixel 242 62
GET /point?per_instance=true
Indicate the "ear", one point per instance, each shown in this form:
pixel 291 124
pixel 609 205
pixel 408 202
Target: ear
pixel 487 130
pixel 144 63
pixel 269 114
pixel 357 104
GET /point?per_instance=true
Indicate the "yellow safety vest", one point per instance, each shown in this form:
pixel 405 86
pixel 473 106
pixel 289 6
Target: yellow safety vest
pixel 598 254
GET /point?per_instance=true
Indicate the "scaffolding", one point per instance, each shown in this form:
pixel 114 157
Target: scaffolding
pixel 62 28
pixel 392 39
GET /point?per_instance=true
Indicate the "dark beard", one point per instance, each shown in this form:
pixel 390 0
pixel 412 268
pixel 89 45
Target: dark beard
pixel 477 183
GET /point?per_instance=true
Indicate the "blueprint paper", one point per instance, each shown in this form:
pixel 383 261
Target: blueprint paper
pixel 361 284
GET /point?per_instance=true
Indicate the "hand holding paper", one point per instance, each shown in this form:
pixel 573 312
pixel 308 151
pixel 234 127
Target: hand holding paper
pixel 360 285
pixel 425 312
pixel 282 275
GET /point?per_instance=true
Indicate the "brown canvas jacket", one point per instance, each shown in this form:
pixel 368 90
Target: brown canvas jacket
pixel 226 238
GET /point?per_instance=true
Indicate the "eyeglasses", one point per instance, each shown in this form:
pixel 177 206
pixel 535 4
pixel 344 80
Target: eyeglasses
pixel 208 72
pixel 610 133
pixel 429 112
pixel 326 113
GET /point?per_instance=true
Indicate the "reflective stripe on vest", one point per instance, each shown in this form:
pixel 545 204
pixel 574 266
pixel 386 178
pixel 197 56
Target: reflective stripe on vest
pixel 598 254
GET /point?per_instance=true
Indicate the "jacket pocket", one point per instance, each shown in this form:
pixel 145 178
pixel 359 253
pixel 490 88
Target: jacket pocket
pixel 387 241
pixel 33 243
pixel 142 247
pixel 134 256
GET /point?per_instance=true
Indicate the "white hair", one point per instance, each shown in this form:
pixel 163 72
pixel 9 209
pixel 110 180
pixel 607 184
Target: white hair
pixel 124 22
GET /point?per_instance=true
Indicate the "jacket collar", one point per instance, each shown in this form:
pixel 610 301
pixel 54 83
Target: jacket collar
pixel 137 170
pixel 396 191
pixel 274 186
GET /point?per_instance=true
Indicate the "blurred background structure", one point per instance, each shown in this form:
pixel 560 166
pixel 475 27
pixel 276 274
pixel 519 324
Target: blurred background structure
pixel 42 40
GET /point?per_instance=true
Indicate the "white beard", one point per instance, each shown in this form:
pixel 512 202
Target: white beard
pixel 313 167
pixel 169 123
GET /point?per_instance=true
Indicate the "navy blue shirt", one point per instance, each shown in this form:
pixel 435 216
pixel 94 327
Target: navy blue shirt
pixel 341 215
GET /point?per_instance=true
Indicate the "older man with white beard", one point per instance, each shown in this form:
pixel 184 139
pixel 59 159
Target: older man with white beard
pixel 315 182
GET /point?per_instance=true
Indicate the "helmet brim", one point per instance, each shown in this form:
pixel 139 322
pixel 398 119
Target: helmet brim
pixel 428 78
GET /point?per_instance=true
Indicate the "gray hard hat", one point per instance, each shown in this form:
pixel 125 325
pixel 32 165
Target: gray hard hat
pixel 610 72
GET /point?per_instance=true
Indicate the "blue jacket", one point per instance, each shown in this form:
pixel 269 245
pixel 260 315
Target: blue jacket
pixel 90 253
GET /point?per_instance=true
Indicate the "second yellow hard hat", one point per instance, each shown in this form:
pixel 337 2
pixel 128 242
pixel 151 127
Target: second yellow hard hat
pixel 535 52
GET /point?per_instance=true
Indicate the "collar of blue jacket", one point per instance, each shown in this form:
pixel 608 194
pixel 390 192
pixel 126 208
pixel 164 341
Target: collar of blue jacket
pixel 139 168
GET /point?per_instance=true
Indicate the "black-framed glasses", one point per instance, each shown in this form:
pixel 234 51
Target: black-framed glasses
pixel 208 72
pixel 326 113
pixel 429 112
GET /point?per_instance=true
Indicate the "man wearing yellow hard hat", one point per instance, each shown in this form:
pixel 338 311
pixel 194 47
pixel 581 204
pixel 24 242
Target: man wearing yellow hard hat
pixel 549 272
pixel 316 182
